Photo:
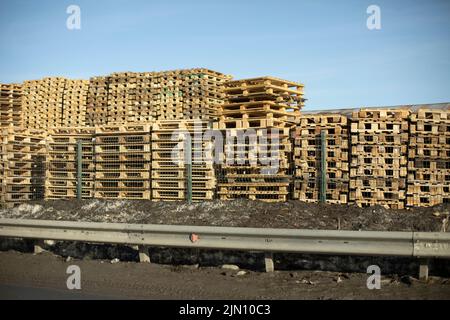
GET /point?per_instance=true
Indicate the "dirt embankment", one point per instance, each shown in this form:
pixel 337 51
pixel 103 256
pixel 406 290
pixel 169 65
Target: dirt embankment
pixel 239 213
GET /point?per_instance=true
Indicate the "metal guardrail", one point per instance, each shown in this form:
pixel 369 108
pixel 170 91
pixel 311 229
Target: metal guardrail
pixel 373 243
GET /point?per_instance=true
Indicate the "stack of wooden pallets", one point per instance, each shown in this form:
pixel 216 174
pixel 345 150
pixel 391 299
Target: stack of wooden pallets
pixel 170 140
pixel 260 103
pixel 429 158
pixel 49 110
pixel 74 103
pixel 307 158
pixel 61 182
pixel 168 95
pixel 143 102
pixel 23 157
pixel 97 102
pixel 203 93
pixel 31 104
pixel 10 105
pixel 378 166
pixel 123 161
pixel 121 94
pixel 54 102
pixel 185 94
pixel 256 119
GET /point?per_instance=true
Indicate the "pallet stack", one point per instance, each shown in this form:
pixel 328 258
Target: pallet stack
pixel 167 95
pixel 10 105
pixel 378 165
pixel 143 103
pixel 144 97
pixel 307 158
pixel 42 103
pixel 74 103
pixel 429 158
pixel 123 161
pixel 23 158
pixel 256 120
pixel 31 102
pixel 203 93
pixel 187 94
pixel 97 102
pixel 61 182
pixel 170 138
pixel 121 95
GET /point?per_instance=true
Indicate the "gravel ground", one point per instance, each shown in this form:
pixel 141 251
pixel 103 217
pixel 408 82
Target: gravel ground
pixel 150 281
pixel 239 213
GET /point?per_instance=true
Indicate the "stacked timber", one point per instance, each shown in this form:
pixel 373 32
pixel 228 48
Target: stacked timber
pixel 378 165
pixel 10 105
pixel 308 158
pixel 429 158
pixel 23 157
pixel 74 103
pixel 61 182
pixel 122 161
pixel 256 121
pixel 171 141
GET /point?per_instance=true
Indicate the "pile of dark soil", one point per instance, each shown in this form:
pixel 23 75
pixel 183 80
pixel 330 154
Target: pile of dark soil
pixel 239 213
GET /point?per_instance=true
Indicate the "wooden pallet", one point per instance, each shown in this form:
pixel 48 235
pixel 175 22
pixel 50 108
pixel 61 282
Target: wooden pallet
pixel 429 158
pixel 123 194
pixel 11 105
pixel 307 157
pixel 169 174
pixel 22 169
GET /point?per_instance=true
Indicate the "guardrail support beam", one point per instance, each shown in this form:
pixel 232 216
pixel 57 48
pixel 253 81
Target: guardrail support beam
pixel 268 262
pixel 423 269
pixel 143 254
pixel 38 246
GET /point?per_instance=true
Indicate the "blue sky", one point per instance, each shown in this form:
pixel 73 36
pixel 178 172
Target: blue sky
pixel 324 44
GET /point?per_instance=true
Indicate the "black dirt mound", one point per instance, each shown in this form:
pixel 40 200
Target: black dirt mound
pixel 239 213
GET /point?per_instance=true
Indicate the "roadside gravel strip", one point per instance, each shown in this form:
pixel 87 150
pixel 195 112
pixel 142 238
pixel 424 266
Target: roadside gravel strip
pixel 46 275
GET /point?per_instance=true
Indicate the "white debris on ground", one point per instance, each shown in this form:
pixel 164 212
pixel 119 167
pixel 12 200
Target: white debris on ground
pixel 25 208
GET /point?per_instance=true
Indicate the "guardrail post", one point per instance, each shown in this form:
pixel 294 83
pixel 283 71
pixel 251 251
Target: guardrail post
pixel 268 261
pixel 423 269
pixel 38 246
pixel 143 254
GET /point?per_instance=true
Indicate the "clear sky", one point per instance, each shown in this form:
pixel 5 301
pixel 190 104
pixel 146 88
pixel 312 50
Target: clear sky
pixel 324 44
